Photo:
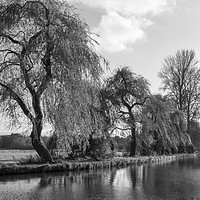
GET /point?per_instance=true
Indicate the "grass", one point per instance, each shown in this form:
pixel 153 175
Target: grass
pixel 15 155
pixel 30 159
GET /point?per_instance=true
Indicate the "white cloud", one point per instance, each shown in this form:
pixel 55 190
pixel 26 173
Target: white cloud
pixel 125 21
pixel 130 7
pixel 117 33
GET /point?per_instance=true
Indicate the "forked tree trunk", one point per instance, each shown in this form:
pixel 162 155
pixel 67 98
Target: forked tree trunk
pixel 133 142
pixel 39 145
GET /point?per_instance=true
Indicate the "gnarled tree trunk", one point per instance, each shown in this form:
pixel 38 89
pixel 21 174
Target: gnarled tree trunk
pixel 41 149
pixel 39 145
pixel 37 142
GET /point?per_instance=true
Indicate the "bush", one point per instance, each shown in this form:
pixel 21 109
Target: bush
pixel 100 148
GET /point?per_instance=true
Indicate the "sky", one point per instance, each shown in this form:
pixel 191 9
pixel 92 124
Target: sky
pixel 142 33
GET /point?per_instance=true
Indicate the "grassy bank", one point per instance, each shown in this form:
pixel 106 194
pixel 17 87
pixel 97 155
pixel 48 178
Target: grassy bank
pixel 8 169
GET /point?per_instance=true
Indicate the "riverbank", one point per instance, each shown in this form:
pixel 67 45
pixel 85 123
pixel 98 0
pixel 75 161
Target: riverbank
pixel 9 169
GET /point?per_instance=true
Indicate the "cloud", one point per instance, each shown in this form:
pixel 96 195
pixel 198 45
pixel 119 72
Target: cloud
pixel 130 7
pixel 117 33
pixel 125 21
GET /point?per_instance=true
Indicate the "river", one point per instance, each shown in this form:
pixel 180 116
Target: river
pixel 177 180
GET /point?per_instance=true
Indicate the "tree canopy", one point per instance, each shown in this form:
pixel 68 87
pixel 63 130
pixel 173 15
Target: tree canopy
pixel 47 60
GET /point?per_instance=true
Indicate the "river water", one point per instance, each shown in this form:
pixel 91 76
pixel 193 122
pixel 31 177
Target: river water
pixel 177 180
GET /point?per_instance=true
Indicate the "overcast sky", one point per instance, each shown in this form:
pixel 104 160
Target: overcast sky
pixel 141 33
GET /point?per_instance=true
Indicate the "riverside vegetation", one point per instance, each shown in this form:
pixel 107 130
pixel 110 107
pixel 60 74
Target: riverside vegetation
pixel 50 73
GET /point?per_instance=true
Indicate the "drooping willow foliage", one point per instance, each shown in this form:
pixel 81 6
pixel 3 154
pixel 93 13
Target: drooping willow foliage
pixel 164 128
pixel 74 114
pixel 49 69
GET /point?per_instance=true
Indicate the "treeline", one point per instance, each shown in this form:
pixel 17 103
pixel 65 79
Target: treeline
pixel 149 124
pixel 17 141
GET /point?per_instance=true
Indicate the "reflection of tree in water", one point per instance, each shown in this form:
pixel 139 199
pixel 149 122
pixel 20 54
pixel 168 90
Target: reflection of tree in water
pixel 169 180
pixel 133 176
pixel 188 163
pixel 96 184
pixel 52 186
pixel 138 177
pixel 40 190
pixel 73 185
pixel 45 181
pixel 112 176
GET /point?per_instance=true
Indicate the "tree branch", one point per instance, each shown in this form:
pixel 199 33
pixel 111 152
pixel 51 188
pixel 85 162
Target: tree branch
pixel 25 50
pixel 9 51
pixel 140 103
pixel 47 58
pixel 32 40
pixel 121 129
pixel 19 101
pixel 11 39
pixel 124 113
pixel 6 66
pixel 126 104
pixel 36 2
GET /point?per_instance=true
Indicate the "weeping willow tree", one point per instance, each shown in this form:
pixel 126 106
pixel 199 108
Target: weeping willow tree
pixel 164 127
pixel 74 113
pixel 125 93
pixel 47 60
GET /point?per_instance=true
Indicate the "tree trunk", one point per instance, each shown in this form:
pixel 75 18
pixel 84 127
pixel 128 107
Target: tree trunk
pixel 37 122
pixel 39 145
pixel 188 121
pixel 133 142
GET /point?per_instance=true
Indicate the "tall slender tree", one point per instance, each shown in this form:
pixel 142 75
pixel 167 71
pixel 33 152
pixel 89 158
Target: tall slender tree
pixel 180 77
pixel 46 54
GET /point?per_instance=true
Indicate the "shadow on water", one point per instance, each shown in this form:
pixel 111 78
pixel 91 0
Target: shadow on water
pixel 177 180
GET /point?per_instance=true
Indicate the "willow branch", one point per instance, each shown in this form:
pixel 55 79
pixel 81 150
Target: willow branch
pixel 46 60
pixel 140 103
pixel 25 50
pixel 124 113
pixel 126 104
pixel 11 39
pixel 6 65
pixel 10 52
pixel 20 102
pixel 35 2
pixel 121 129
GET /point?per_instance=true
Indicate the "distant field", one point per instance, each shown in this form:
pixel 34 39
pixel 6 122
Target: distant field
pixel 14 155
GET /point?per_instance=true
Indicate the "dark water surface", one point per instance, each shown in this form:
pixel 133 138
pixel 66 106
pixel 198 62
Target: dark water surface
pixel 177 180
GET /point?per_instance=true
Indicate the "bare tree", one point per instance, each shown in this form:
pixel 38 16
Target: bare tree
pixel 181 80
pixel 125 92
pixel 46 52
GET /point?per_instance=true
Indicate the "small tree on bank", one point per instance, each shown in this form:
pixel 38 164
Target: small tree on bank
pixel 125 92
pixel 46 52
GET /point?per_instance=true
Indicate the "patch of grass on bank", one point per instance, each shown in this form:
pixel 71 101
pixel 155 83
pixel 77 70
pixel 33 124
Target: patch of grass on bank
pixel 31 165
pixel 30 159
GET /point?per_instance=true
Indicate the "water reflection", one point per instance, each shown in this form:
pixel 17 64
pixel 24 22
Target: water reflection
pixel 167 181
